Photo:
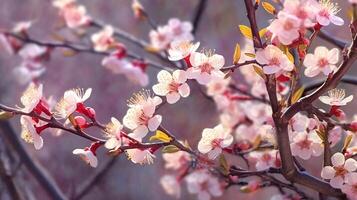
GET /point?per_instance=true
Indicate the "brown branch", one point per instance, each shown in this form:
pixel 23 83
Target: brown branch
pixel 90 182
pixel 40 174
pixel 197 16
pixel 82 49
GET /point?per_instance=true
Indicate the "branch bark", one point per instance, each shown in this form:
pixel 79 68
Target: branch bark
pixel 40 174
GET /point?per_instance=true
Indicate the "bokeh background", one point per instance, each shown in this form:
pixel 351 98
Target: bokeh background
pixel 186 119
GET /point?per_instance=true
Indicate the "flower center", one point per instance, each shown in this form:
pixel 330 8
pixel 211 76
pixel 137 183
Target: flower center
pixel 288 25
pixel 143 119
pixel 266 157
pixel 206 67
pixel 305 144
pixel 274 61
pixel 340 171
pixel 322 63
pixel 216 143
pixel 173 87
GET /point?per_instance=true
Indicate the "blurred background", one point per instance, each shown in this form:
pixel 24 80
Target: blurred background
pixel 218 30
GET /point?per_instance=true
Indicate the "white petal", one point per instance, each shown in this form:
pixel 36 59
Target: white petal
pixel 160 89
pixel 179 76
pixel 328 172
pixel 271 69
pixel 154 122
pixel 338 159
pixel 140 131
pixel 38 142
pixel 87 94
pixel 333 56
pixel 350 165
pixel 184 90
pixel 196 59
pixel 164 77
pixel 337 182
pixel 336 20
pixel 172 97
pixel 217 61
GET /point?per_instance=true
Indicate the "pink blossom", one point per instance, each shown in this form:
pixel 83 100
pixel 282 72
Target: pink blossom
pixel 303 10
pixel 139 156
pixel 140 117
pixel 265 159
pixel 181 49
pixel 176 160
pixel 29 133
pixel 161 38
pixel 87 155
pixel 339 171
pixel 350 187
pixel 172 86
pixel 203 184
pixel 214 140
pixel 103 39
pixel 336 97
pixel 274 60
pixel 326 13
pixel 323 60
pixel 205 67
pixel 180 30
pixel 171 185
pixel 75 16
pixel 285 28
pixel 305 145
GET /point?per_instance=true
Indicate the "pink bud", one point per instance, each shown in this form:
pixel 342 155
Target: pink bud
pixel 353 126
pixel 80 121
pixel 91 112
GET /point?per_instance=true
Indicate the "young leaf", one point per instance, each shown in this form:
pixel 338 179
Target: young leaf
pixel 259 71
pixel 269 8
pixel 69 53
pixel 252 55
pixel 223 164
pixel 262 32
pixel 246 31
pixel 170 149
pixel 161 136
pixel 296 96
pixel 289 55
pixel 347 142
pixel 5 115
pixel 237 54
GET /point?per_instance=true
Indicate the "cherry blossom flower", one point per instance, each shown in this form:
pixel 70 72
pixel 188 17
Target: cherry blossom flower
pixel 22 27
pixel 350 187
pixel 28 71
pixel 31 97
pixel 336 97
pixel 353 1
pixel 285 28
pixel 32 51
pixel 265 159
pixel 305 145
pixel 182 50
pixel 141 117
pixel 172 86
pixel 303 10
pixel 214 140
pixel 326 13
pixel 203 184
pixel 119 65
pixel 274 59
pixel 139 156
pixel 113 131
pixel 29 133
pixel 87 156
pixel 171 185
pixel 180 31
pixel 75 16
pixel 176 160
pixel 103 39
pixel 217 86
pixel 161 38
pixel 205 67
pixel 338 172
pixel 70 101
pixel 323 60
